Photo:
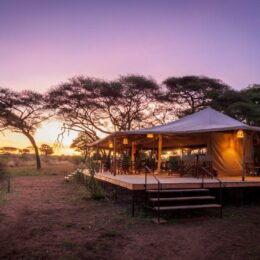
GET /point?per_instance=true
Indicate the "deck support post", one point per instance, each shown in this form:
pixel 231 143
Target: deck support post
pixel 159 154
pixel 114 156
pixel 133 203
pixel 242 196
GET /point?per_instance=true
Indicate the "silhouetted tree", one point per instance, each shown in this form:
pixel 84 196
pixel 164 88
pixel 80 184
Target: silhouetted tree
pixel 78 104
pixel 46 149
pixel 132 102
pixel 23 112
pixel 24 151
pixel 95 106
pixel 8 149
pixel 245 106
pixel 81 142
pixel 193 93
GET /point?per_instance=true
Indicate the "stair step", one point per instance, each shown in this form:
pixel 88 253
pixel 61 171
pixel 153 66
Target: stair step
pixel 184 198
pixel 179 190
pixel 204 206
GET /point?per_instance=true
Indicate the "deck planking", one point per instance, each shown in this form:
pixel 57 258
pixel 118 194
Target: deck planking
pixel 137 182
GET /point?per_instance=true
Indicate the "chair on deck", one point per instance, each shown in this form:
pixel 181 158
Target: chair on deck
pixel 188 165
pixel 174 165
pixel 252 169
pixel 124 165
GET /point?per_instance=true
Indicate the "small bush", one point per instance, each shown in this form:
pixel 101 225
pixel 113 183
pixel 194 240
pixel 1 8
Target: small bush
pixel 174 165
pixel 77 160
pixel 25 157
pixel 95 189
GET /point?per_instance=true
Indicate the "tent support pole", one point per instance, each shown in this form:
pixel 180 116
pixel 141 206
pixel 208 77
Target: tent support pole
pixel 211 152
pixel 159 154
pixel 132 156
pixel 244 164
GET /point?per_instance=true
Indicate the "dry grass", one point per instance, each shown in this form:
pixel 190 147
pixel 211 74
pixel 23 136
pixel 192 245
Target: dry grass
pixel 25 166
pixel 60 168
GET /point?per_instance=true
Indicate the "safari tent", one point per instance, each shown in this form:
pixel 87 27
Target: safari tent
pixel 227 143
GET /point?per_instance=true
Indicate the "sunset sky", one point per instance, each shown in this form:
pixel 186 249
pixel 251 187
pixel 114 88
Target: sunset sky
pixel 44 42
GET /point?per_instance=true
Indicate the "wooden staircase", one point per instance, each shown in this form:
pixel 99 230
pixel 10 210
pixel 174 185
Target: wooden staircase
pixel 162 200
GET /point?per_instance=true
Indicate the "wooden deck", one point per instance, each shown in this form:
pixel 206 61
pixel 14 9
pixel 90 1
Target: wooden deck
pixel 136 182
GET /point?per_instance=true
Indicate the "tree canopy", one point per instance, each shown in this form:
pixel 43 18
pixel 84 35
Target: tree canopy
pixel 23 112
pixel 193 93
pixel 81 142
pixel 46 149
pixel 95 106
pixel 246 106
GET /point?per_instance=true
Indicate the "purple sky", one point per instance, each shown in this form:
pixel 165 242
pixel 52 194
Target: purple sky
pixel 45 42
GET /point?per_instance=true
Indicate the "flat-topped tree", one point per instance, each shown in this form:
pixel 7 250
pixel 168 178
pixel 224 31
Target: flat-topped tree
pixel 46 149
pixel 23 112
pixel 133 102
pixel 244 104
pixel 246 107
pixel 193 93
pixel 78 104
pixel 96 106
pixel 81 143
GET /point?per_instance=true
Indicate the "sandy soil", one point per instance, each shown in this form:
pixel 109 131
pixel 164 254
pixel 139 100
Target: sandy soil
pixel 46 218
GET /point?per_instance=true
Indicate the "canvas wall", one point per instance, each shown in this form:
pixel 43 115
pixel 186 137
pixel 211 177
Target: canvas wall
pixel 227 153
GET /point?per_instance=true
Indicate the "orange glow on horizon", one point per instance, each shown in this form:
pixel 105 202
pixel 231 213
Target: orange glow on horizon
pixel 46 134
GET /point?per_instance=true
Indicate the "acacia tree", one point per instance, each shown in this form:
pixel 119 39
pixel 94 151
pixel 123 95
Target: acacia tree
pixel 8 149
pixel 244 105
pixel 193 93
pixel 95 106
pixel 130 102
pixel 23 112
pixel 46 149
pixel 81 142
pixel 77 104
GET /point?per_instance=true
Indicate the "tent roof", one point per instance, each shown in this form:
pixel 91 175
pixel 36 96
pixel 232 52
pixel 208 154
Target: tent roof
pixel 206 120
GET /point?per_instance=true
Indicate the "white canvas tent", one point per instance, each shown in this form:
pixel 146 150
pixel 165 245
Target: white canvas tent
pixel 207 120
pixel 209 127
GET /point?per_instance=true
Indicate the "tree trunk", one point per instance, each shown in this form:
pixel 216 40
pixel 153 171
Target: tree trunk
pixel 85 155
pixel 37 156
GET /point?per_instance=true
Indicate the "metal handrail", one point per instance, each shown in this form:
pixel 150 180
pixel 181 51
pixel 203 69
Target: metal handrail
pixel 216 178
pixel 211 174
pixel 152 172
pixel 159 188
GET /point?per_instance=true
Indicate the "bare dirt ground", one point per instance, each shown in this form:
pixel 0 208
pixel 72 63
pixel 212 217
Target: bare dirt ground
pixel 45 218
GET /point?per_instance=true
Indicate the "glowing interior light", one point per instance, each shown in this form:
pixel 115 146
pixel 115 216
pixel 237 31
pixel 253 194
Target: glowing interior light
pixel 125 140
pixel 149 135
pixel 240 134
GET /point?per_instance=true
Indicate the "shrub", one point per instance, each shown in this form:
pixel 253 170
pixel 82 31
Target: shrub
pixel 106 163
pixel 173 164
pixel 126 162
pixel 93 185
pixel 76 159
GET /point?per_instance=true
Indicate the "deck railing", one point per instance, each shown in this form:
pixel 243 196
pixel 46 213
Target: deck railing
pixel 216 178
pixel 159 188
